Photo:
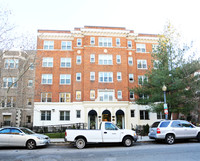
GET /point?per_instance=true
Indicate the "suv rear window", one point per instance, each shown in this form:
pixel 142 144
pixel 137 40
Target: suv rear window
pixel 164 124
pixel 155 124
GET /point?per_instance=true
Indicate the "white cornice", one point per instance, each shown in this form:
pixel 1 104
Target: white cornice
pixel 58 36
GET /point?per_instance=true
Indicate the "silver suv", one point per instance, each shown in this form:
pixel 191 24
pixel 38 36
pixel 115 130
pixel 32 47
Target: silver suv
pixel 169 130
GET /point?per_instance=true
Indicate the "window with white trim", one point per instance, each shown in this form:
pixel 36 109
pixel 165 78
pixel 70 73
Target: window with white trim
pixel 79 42
pixel 129 44
pixel 141 64
pixel 92 58
pixel 78 95
pixel 47 78
pixel 142 79
pixel 8 102
pixel 9 82
pixel 140 48
pixel 118 59
pixel 78 77
pixel 92 94
pixel 106 77
pixel 119 76
pixel 132 113
pixel 105 42
pixel 45 115
pixel 92 40
pixel 64 115
pixel 66 45
pixel 78 59
pixel 47 62
pixel 30 83
pixel 92 76
pixel 131 95
pixel 117 41
pixel 144 115
pixel 143 96
pixel 48 45
pixel 154 48
pixel 106 96
pixel 46 97
pixel 119 94
pixel 65 79
pixel 65 62
pixel 130 60
pixel 11 63
pixel 105 59
pixel 65 97
pixel 131 77
pixel 78 113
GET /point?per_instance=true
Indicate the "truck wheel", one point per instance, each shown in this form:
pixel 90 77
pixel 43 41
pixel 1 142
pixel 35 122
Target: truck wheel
pixel 80 143
pixel 128 141
pixel 30 144
pixel 170 139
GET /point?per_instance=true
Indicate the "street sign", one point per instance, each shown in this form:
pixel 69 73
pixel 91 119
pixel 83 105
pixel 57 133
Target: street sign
pixel 166 111
pixel 165 106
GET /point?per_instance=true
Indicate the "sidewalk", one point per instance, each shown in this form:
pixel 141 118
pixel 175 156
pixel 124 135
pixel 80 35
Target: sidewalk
pixel 140 139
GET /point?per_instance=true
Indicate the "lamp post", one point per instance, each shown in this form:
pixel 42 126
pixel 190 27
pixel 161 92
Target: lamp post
pixel 164 88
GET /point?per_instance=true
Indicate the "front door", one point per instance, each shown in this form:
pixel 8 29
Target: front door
pixel 5 137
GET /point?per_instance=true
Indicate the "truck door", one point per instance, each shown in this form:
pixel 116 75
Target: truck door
pixel 111 133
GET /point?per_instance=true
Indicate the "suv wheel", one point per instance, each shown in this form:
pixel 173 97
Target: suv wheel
pixel 170 139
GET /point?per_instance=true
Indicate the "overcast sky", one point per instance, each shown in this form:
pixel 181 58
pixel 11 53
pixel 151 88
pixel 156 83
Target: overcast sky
pixel 142 16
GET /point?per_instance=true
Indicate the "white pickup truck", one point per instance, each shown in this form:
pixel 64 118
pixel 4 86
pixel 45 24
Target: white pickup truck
pixel 107 133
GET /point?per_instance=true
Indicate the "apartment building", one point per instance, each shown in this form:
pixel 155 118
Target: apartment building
pixel 16 88
pixel 84 76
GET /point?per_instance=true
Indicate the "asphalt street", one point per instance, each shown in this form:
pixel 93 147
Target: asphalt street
pixel 149 151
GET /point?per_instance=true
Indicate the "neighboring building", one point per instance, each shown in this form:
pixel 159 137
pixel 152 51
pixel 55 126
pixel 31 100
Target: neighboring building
pixel 16 88
pixel 85 75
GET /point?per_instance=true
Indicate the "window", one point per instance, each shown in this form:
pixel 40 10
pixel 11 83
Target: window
pixel 109 126
pixel 160 115
pixel 105 60
pixel 31 66
pixel 131 77
pixel 48 45
pixel 132 113
pixel 92 76
pixel 164 124
pixel 92 40
pixel 45 115
pixel 64 115
pixel 143 96
pixel 144 115
pixel 47 62
pixel 78 95
pixel 78 113
pixel 66 45
pixel 142 79
pixel 28 119
pixel 105 77
pixel 119 94
pixel 117 41
pixel 141 48
pixel 30 83
pixel 156 64
pixel 65 97
pixel 47 78
pixel 92 58
pixel 92 94
pixel 118 59
pixel 8 102
pixel 46 97
pixel 141 64
pixel 154 48
pixel 65 79
pixel 78 77
pixel 79 42
pixel 65 62
pixel 176 124
pixel 11 63
pixel 129 44
pixel 9 82
pixel 78 59
pixel 29 101
pixel 131 95
pixel 130 61
pixel 105 42
pixel 119 76
pixel 106 96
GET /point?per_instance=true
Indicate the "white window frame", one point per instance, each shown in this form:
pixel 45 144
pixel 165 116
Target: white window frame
pixel 105 42
pixel 8 62
pixel 119 94
pixel 92 94
pixel 119 76
pixel 30 83
pixel 92 40
pixel 154 48
pixel 48 79
pixel 92 76
pixel 79 42
pixel 65 98
pixel 105 59
pixel 141 48
pixel 105 77
pixel 46 97
pixel 118 59
pixel 131 76
pixel 66 45
pixel 77 95
pixel 130 61
pixel 78 77
pixel 78 113
pixel 129 44
pixel 142 77
pixel 106 96
pixel 92 58
pixel 66 116
pixel 66 62
pixel 47 62
pixel 48 45
pixel 9 82
pixel 78 59
pixel 47 114
pixel 131 93
pixel 142 64
pixel 65 77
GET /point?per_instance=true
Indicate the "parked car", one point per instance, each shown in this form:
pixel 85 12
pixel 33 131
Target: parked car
pixel 170 130
pixel 107 133
pixel 13 136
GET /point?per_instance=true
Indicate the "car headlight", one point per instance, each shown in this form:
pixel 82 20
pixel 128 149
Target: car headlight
pixel 39 137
